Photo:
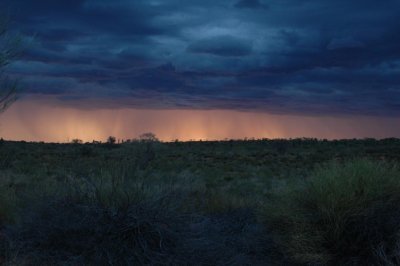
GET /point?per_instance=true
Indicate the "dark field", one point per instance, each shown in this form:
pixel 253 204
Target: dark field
pixel 254 202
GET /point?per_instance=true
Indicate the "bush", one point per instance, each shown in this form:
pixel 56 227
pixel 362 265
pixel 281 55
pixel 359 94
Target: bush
pixel 81 234
pixel 345 214
pixel 113 221
pixel 72 233
pixel 111 140
pixel 148 137
pixel 76 141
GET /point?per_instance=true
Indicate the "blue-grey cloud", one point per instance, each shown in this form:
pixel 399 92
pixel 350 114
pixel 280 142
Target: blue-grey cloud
pixel 250 4
pixel 344 43
pixel 283 56
pixel 222 46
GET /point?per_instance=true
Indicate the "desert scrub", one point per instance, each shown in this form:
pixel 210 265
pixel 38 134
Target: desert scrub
pixel 11 186
pixel 344 214
pixel 146 233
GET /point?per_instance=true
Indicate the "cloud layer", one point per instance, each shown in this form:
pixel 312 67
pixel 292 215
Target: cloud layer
pixel 279 56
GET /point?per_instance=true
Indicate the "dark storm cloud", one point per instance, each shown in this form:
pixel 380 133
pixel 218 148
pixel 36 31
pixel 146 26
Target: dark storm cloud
pixel 250 4
pixel 222 46
pixel 285 56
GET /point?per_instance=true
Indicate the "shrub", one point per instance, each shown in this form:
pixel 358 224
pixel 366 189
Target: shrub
pixel 344 214
pixel 81 234
pixel 77 233
pixel 76 141
pixel 116 221
pixel 148 137
pixel 111 140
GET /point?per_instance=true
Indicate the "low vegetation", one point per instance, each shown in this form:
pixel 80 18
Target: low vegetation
pixel 255 202
pixel 344 214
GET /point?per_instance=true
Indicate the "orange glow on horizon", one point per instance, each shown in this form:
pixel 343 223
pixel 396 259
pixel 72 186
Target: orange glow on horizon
pixel 37 121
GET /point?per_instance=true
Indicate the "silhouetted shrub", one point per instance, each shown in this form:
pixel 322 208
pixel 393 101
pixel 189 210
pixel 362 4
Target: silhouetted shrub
pixel 111 140
pixel 76 141
pixel 148 137
pixel 345 214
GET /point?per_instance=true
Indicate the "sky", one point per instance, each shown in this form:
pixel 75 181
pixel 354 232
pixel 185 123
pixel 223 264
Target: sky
pixel 275 63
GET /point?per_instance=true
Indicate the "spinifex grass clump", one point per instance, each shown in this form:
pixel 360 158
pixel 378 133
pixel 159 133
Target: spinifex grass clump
pixel 74 233
pixel 151 233
pixel 344 214
pixel 107 220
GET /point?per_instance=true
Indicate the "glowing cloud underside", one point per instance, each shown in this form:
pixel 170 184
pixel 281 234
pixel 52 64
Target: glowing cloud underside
pixel 35 121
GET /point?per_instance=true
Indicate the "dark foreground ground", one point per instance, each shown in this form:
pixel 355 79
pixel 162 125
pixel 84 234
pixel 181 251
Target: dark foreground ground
pixel 266 202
